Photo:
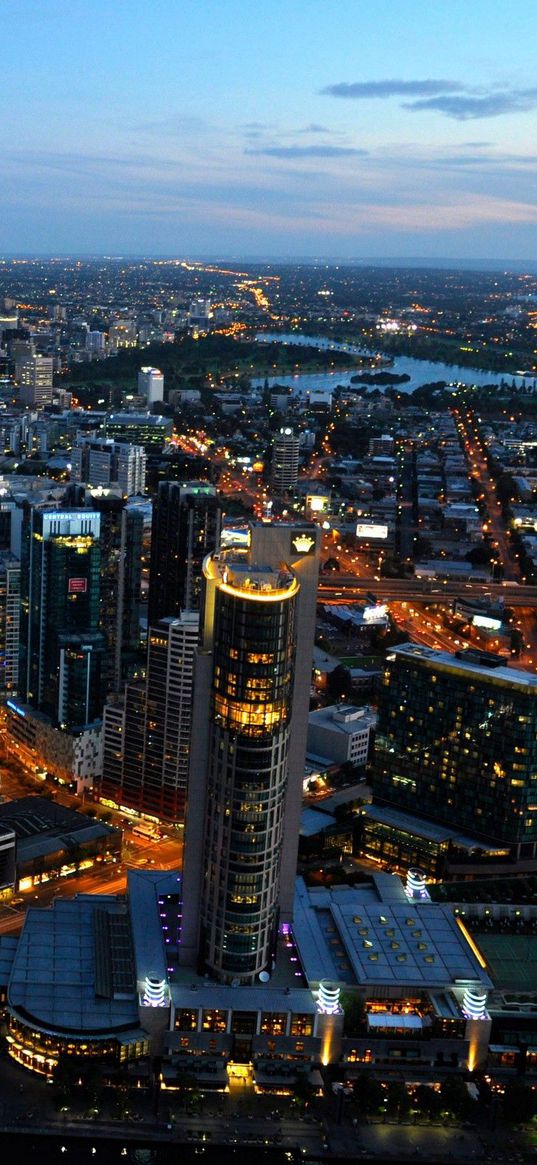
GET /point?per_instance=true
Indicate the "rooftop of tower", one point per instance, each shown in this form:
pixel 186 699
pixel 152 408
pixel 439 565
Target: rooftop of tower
pixel 235 575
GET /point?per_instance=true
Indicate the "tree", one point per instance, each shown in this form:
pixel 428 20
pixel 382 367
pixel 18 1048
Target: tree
pixel 427 1100
pixel 368 1094
pixel 339 683
pixel 398 1099
pixel 354 1013
pixel 455 1097
pixel 479 555
pixel 303 1090
pixel 519 1103
pixel 332 564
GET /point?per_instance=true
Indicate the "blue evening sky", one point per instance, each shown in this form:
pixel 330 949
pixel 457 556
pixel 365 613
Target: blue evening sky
pixel 352 128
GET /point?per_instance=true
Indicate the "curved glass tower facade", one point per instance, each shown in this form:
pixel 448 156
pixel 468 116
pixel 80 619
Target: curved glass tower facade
pixel 253 614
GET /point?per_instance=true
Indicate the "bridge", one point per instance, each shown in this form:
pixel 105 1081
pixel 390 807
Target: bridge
pixel 349 587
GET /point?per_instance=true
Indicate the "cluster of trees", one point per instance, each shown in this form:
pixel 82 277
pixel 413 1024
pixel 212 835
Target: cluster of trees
pixel 395 1100
pixel 371 1097
pixel 447 351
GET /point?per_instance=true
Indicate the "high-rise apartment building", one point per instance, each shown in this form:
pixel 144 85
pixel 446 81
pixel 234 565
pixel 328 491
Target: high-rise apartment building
pixel 285 459
pixel 200 314
pixel 61 643
pixel 104 462
pixel 252 682
pixel 457 743
pixel 186 527
pixel 10 570
pixel 36 381
pixel 151 385
pixel 146 734
pixel 121 540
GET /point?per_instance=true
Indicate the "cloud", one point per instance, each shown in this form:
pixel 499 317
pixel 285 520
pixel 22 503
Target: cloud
pixel 308 152
pixel 313 127
pixel 454 99
pixel 360 90
pixel 465 107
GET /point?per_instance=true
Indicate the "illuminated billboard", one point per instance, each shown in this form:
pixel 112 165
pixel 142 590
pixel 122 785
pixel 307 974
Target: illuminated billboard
pixel 486 622
pixel 77 586
pixel 317 503
pixel 235 536
pixel 376 614
pixel 371 530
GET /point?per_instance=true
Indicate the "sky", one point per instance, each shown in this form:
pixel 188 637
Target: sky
pixel 350 129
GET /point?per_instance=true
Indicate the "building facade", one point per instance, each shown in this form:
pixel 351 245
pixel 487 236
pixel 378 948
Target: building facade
pixel 146 732
pixel 457 740
pixel 105 462
pixel 186 527
pixel 10 572
pixel 61 643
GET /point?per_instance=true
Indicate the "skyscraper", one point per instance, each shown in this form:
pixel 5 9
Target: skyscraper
pixel 151 385
pixel 146 733
pixel 285 458
pixel 61 643
pixel 457 743
pixel 252 681
pixel 121 537
pixel 10 570
pixel 186 527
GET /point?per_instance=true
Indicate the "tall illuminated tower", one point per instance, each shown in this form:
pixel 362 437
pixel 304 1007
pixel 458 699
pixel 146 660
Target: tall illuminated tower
pixel 252 682
pixel 61 642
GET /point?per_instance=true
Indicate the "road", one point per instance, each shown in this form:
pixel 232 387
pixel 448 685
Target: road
pixel 477 464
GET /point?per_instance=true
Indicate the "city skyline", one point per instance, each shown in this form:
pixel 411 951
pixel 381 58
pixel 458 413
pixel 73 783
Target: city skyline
pixel 403 132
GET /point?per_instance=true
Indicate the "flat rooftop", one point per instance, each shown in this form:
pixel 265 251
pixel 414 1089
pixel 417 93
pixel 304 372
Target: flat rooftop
pixel 512 960
pixel 146 889
pixel 417 827
pixel 345 719
pixel 372 935
pixel 43 827
pixel 457 664
pixel 73 969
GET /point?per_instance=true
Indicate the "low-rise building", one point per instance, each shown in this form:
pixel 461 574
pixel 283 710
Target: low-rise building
pixel 97 977
pixel 51 840
pixel 341 733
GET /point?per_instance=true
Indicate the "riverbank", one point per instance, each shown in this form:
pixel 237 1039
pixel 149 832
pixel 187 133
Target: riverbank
pixel 382 1141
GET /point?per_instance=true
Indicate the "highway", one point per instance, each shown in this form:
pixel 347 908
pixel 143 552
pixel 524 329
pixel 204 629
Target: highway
pixel 346 587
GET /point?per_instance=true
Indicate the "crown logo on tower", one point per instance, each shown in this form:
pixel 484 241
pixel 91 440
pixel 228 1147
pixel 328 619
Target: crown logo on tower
pixel 303 543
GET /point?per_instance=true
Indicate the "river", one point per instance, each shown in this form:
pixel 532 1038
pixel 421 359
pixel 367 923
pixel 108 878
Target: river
pixel 419 371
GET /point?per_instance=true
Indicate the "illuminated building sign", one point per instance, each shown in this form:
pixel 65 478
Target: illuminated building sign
pixel 77 586
pixel 155 992
pixel 302 544
pixel 328 1000
pixel 371 530
pixel 474 1002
